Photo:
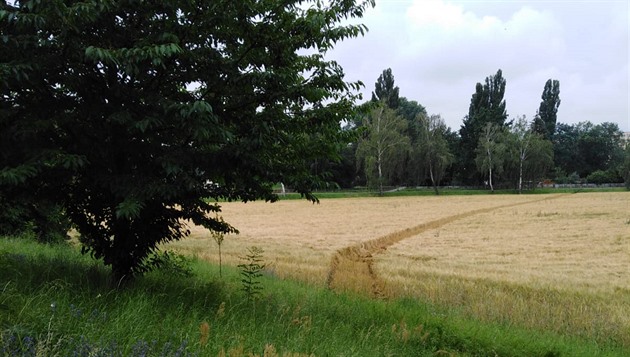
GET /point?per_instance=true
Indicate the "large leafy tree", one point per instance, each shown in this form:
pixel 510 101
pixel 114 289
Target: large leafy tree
pixel 412 112
pixel 487 106
pixel 491 152
pixel 132 116
pixel 433 148
pixel 531 152
pixel 383 147
pixel 584 148
pixel 545 121
pixel 601 148
pixel 565 147
pixel 387 93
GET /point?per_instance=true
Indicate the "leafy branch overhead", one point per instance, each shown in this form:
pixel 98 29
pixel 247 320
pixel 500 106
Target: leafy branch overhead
pixel 132 116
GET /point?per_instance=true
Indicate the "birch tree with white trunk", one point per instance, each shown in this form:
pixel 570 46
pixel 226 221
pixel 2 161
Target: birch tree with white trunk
pixel 433 148
pixel 490 152
pixel 384 145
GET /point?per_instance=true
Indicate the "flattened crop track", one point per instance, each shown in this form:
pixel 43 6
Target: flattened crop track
pixel 351 268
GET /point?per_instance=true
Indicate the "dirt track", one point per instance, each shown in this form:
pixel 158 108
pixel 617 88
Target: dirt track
pixel 351 268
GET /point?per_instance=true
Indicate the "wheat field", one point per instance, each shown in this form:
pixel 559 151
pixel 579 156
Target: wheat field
pixel 555 262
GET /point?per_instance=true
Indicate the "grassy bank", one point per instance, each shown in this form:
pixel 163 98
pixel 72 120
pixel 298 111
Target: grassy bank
pixel 55 302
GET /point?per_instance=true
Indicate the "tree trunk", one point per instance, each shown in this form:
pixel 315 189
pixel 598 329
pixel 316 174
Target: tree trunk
pixel 122 253
pixel 220 260
pixel 490 170
pixel 437 193
pixel 380 173
pixel 520 176
pixel 490 179
pixel 122 267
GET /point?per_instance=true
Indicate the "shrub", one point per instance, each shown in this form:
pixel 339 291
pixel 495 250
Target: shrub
pixel 172 263
pixel 44 221
pixel 601 177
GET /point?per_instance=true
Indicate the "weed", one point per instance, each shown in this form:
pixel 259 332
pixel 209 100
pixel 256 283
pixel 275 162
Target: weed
pixel 204 332
pixel 546 214
pixel 251 271
pixel 218 238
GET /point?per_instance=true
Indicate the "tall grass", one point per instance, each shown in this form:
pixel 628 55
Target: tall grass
pixel 598 317
pixel 56 302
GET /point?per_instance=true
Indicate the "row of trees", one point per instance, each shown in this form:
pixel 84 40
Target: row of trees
pixel 399 143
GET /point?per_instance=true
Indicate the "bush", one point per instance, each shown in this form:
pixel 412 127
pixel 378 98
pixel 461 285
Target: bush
pixel 601 177
pixel 44 221
pixel 171 263
pixel 572 178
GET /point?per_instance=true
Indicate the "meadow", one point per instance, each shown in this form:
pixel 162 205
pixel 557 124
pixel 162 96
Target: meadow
pixel 552 262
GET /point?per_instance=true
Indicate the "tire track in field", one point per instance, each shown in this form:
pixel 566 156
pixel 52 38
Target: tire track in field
pixel 352 267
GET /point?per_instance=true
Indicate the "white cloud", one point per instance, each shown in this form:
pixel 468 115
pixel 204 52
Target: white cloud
pixel 438 50
pixel 431 13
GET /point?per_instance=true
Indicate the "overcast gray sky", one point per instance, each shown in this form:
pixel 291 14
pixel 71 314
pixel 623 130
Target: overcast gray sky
pixel 439 49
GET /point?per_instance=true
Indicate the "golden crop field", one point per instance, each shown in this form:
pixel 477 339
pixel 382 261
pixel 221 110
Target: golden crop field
pixel 556 262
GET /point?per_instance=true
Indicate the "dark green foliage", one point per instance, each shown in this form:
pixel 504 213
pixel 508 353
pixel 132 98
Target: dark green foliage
pixel 601 177
pixel 451 176
pixel 432 149
pixel 345 172
pixel 251 272
pixel 130 115
pixel 545 121
pixel 585 148
pixel 625 170
pixel 600 147
pixel 412 112
pixel 565 147
pixel 486 106
pixel 170 263
pixel 41 219
pixel 410 109
pixel 572 178
pixel 385 91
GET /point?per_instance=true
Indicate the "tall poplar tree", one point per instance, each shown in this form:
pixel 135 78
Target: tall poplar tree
pixel 545 121
pixel 487 106
pixel 385 91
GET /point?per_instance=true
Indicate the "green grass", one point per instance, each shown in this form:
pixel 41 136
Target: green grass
pixel 56 302
pixel 447 192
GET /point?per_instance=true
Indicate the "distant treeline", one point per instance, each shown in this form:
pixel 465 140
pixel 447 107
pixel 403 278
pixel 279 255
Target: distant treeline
pixel 396 142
